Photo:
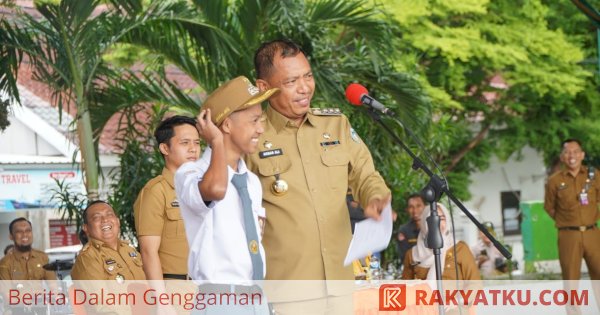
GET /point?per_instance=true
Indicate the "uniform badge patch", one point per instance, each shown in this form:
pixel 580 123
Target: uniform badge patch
pixel 270 153
pixel 253 246
pixel 330 143
pixel 175 203
pixel 354 135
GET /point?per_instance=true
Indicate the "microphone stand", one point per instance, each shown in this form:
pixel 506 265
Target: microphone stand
pixel 432 193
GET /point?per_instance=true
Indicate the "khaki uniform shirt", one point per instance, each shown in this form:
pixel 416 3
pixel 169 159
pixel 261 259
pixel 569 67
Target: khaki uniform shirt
pixel 20 266
pixel 563 196
pixel 467 268
pixel 307 231
pixel 97 261
pixel 156 212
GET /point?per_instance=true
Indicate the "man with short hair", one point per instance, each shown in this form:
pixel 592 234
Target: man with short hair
pixel 158 222
pixel 221 200
pixel 224 220
pixel 24 262
pixel 105 256
pixel 407 233
pixel 306 160
pixel 571 199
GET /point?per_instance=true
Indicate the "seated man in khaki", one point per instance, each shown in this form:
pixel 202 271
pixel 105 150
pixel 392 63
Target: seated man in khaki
pixel 105 256
pixel 21 264
pixel 24 262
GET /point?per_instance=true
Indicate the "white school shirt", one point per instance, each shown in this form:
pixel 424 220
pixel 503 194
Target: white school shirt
pixel 215 233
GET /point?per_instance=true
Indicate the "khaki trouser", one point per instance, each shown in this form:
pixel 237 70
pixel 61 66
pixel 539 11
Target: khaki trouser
pixel 573 246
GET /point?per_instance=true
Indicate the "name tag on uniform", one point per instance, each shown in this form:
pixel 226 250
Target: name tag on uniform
pixel 110 261
pixel 175 203
pixel 270 153
pixel 583 197
pixel 330 143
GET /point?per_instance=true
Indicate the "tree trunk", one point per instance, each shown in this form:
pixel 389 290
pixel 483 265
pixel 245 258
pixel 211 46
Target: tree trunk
pixel 88 153
pixel 470 146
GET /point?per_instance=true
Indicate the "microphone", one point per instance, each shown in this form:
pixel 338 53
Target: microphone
pixel 358 95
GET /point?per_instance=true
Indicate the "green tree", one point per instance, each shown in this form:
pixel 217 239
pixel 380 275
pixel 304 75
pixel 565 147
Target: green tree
pixel 500 74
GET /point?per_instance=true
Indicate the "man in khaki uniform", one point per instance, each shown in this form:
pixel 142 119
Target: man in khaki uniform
pixel 105 256
pixel 307 159
pixel 158 220
pixel 24 262
pixel 408 233
pixel 571 199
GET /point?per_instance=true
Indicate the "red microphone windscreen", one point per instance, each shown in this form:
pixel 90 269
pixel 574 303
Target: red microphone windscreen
pixel 354 92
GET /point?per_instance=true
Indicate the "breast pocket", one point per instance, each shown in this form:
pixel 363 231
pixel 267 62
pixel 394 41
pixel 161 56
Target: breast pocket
pixel 567 199
pixel 174 227
pixel 38 272
pixel 272 168
pixel 336 162
pixel 112 270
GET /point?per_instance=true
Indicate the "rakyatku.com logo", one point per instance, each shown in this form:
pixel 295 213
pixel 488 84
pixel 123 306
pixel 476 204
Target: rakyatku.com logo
pixel 392 297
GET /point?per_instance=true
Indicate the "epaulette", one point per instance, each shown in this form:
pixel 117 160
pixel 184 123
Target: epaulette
pixel 85 247
pixel 38 252
pixel 154 181
pixel 326 111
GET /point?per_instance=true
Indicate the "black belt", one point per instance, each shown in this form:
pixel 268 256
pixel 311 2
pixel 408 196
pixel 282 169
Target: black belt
pixel 229 288
pixel 177 277
pixel 582 228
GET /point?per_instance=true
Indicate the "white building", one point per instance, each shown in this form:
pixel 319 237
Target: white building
pixel 496 194
pixel 36 149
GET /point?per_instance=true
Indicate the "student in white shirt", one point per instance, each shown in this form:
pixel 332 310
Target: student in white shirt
pixel 221 250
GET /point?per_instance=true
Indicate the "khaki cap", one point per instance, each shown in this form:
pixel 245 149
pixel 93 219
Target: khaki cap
pixel 234 95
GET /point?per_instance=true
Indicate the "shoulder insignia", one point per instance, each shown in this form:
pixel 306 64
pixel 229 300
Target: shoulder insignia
pixel 354 135
pixel 37 251
pixel 326 111
pixel 154 181
pixel 85 247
